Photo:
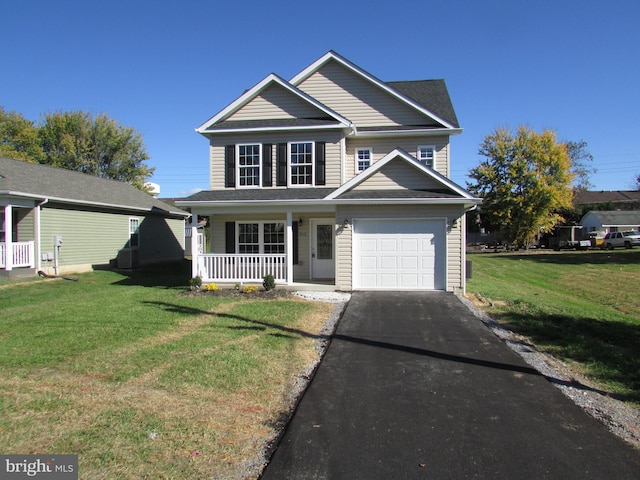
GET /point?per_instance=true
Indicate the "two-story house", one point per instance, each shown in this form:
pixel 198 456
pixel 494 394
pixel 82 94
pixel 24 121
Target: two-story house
pixel 337 177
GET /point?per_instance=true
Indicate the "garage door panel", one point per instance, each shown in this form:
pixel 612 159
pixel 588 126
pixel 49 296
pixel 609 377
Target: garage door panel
pixel 399 254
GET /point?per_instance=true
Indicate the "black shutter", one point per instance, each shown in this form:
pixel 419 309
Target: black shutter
pixel 230 166
pixel 281 165
pixel 320 164
pixel 230 237
pixel 267 174
pixel 295 243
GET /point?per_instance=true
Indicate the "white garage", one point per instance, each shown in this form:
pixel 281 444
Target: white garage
pixel 399 254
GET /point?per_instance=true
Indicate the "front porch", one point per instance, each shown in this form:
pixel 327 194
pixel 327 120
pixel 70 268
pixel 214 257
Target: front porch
pixel 17 255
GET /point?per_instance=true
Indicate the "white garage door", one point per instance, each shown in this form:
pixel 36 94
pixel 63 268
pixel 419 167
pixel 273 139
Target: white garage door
pixel 399 254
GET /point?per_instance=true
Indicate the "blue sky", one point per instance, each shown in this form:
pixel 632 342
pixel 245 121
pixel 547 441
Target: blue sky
pixel 165 67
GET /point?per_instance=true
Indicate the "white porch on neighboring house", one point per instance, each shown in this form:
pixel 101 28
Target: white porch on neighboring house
pixel 16 254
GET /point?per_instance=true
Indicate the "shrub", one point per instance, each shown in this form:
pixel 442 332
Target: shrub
pixel 250 289
pixel 195 283
pixel 211 287
pixel 269 282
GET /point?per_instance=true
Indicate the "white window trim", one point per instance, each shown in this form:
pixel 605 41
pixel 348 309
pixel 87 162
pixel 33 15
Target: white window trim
pixel 355 155
pixel 433 148
pixel 239 168
pixel 313 165
pixel 260 224
pixel 136 232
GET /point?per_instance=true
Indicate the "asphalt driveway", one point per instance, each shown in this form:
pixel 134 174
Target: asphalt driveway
pixel 414 386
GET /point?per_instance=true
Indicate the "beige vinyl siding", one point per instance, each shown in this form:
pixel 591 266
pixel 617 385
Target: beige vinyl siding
pixel 383 145
pixel 275 102
pixel 395 175
pixel 332 152
pixel 454 237
pixel 357 99
pixel 95 237
pixel 26 224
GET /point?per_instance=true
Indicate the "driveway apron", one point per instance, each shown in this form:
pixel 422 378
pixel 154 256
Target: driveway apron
pixel 414 386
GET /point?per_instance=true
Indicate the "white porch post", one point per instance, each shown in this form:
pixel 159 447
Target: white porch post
pixel 8 236
pixel 37 251
pixel 195 253
pixel 289 244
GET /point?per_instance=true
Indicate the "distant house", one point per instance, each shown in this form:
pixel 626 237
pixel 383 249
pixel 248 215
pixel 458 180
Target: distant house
pixel 617 199
pixel 611 221
pixel 334 177
pixel 61 221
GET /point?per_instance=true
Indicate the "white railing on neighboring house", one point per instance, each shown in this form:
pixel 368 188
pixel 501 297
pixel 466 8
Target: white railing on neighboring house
pixel 23 255
pixel 214 267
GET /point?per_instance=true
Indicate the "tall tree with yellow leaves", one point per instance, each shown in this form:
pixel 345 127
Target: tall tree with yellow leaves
pixel 524 181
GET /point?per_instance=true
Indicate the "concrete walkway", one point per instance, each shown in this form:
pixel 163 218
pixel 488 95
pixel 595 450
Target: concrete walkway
pixel 414 386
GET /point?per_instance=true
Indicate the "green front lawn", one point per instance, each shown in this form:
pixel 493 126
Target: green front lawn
pixel 582 307
pixel 143 381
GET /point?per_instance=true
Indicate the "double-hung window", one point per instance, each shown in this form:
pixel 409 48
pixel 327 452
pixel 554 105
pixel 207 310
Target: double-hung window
pixel 134 232
pixel 301 156
pixel 261 237
pixel 427 154
pixel 249 165
pixel 363 159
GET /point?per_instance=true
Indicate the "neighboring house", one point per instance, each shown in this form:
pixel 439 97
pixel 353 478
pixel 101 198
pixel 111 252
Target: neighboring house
pixel 617 199
pixel 611 221
pixel 334 177
pixel 60 221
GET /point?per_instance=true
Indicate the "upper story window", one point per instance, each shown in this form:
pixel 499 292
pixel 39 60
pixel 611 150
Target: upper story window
pixel 249 165
pixel 363 159
pixel 427 155
pixel 301 156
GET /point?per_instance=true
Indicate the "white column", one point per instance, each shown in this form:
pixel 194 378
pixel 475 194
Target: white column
pixel 289 244
pixel 195 254
pixel 8 236
pixel 37 250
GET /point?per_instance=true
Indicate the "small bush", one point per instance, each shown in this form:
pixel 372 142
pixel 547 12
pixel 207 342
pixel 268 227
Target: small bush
pixel 269 282
pixel 195 283
pixel 211 287
pixel 250 289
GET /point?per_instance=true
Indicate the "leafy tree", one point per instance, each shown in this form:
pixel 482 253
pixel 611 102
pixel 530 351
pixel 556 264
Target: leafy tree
pixel 525 179
pixel 19 138
pixel 581 167
pixel 98 146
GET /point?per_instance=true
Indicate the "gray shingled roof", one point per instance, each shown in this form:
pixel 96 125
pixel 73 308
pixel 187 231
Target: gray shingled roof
pixel 274 123
pixel 19 178
pixel 613 196
pixel 431 94
pixel 259 194
pixel 618 217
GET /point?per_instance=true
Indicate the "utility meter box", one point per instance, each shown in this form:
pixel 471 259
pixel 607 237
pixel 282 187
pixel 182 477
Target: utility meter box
pixel 57 241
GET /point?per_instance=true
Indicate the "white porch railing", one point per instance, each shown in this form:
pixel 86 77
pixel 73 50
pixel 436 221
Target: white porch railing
pixel 23 255
pixel 214 267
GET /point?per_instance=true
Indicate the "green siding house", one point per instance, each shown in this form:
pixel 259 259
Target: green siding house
pixel 62 221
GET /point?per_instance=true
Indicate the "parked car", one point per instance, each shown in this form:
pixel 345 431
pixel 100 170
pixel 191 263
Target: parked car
pixel 621 239
pixel 634 235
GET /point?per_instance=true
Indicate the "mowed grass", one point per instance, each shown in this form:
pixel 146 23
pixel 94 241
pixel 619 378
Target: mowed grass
pixel 142 381
pixel 581 307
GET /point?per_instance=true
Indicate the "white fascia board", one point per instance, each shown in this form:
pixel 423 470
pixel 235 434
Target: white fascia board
pixel 408 133
pixel 331 55
pixel 254 207
pixel 409 201
pixel 251 93
pixel 277 129
pixel 89 203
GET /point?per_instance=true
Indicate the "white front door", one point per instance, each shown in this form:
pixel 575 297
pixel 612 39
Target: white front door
pixel 322 249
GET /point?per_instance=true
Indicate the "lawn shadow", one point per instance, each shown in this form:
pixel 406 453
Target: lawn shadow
pixel 168 275
pixel 595 257
pixel 613 345
pixel 259 325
